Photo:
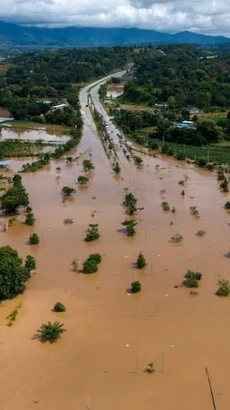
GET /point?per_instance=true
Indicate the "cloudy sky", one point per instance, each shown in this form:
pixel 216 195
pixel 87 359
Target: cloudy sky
pixel 203 16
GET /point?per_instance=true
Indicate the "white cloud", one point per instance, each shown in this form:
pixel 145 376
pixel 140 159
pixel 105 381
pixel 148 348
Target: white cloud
pixel 211 17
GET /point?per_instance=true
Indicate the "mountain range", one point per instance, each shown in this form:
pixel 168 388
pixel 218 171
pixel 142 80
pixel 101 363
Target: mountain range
pixel 14 35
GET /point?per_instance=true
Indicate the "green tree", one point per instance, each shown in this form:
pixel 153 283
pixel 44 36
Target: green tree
pixel 30 263
pixel 135 286
pixel 50 332
pixel 34 239
pixel 130 227
pixel 117 168
pixel 87 165
pixel 141 261
pixel 90 266
pixel 59 307
pixel 130 203
pixel 224 288
pixel 138 160
pixel 82 180
pixel 67 191
pixel 92 233
pixel 14 197
pixel 30 219
pixel 12 273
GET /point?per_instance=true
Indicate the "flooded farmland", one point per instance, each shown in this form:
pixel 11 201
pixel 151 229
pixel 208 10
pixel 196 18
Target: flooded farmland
pixel 111 335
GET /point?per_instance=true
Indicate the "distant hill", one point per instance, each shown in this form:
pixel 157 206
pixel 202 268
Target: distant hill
pixel 21 36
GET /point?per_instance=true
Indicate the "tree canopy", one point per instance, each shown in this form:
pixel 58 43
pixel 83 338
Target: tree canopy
pixel 13 274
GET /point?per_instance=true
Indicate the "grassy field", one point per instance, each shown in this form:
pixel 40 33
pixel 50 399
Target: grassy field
pixel 218 153
pixel 14 148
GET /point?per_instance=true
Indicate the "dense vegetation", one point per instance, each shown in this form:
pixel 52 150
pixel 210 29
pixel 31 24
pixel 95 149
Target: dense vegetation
pixel 15 196
pixel 51 76
pixel 13 274
pixel 181 76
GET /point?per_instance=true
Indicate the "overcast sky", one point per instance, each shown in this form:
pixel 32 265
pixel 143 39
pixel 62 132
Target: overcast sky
pixel 203 16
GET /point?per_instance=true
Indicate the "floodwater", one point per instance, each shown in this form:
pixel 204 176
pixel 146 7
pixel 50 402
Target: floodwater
pixel 33 135
pixel 112 336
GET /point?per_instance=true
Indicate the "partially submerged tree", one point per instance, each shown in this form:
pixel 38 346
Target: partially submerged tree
pixel 141 261
pixel 91 263
pixel 13 274
pixel 92 233
pixel 59 307
pixel 150 368
pixel 67 191
pixel 82 180
pixel 137 160
pixel 165 206
pixel 30 219
pixel 130 202
pixel 87 165
pixel 30 263
pixel 50 332
pixel 34 239
pixel 224 288
pixel 135 286
pixel 227 205
pixel 130 227
pixel 177 238
pixel 191 279
pixel 15 196
pixel 117 168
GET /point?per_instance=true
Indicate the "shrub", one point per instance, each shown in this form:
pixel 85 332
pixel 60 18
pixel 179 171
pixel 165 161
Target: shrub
pixel 130 203
pixel 12 273
pixel 82 180
pixel 75 265
pixel 117 168
pixel 91 263
pixel 90 266
pixel 165 206
pixel 141 261
pixel 191 279
pixel 224 288
pixel 59 307
pixel 92 233
pixel 67 191
pixel 194 211
pixel 137 160
pixel 30 219
pixel 227 205
pixel 68 221
pixel 135 287
pixel 200 233
pixel 50 332
pixel 150 368
pixel 182 192
pixel 87 165
pixel 224 186
pixel 177 238
pixel 130 227
pixel 34 239
pixel 30 263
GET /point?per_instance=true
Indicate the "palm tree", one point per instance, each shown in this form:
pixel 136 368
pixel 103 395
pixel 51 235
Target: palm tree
pixel 50 332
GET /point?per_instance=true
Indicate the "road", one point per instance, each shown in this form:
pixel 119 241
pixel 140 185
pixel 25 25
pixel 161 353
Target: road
pixel 92 90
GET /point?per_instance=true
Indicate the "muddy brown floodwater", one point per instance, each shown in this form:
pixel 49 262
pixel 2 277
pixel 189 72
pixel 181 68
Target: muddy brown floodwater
pixel 111 337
